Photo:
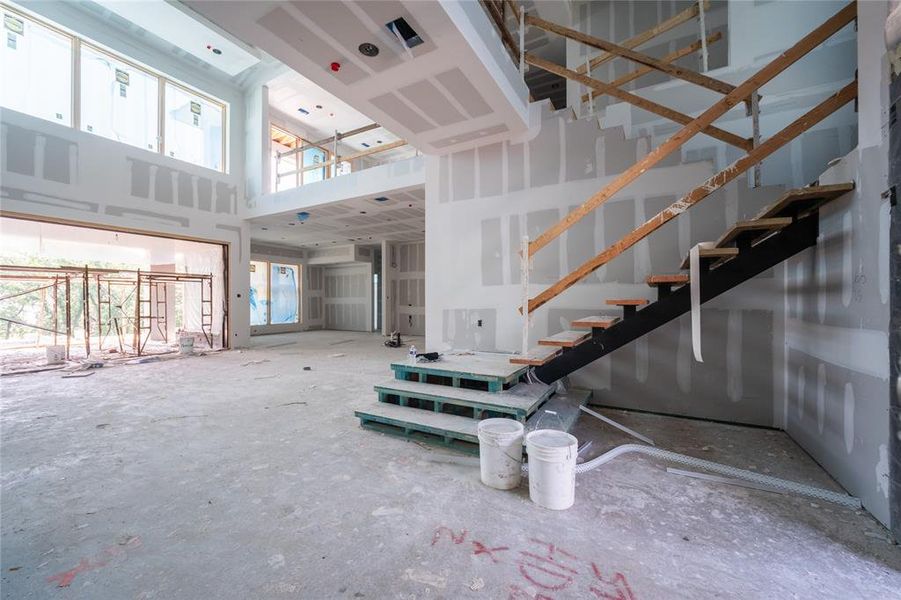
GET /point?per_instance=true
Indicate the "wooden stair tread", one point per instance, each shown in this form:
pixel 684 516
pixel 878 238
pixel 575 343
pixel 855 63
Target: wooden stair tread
pixel 711 253
pixel 764 226
pixel 627 302
pixel 812 197
pixel 565 339
pixel 594 322
pixel 537 356
pixel 676 279
pixel 522 397
pixel 426 420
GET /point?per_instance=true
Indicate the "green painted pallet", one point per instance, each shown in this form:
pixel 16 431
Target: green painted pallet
pixel 459 433
pixel 472 370
pixel 518 402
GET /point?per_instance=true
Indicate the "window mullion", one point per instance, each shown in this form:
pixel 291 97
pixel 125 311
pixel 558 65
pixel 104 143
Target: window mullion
pixel 161 115
pixel 76 83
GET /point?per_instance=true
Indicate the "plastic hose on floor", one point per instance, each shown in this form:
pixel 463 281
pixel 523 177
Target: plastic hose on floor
pixel 773 482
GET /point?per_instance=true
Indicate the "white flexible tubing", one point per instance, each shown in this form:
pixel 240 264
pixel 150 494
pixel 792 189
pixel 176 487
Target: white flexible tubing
pixel 782 484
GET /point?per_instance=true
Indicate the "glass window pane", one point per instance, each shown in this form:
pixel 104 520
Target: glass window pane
pixel 259 293
pixel 284 294
pixel 313 156
pixel 193 128
pixel 36 70
pixel 118 101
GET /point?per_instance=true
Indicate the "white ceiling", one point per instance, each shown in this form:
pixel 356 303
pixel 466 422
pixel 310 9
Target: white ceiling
pixel 186 30
pixel 441 95
pixel 358 220
pixel 291 91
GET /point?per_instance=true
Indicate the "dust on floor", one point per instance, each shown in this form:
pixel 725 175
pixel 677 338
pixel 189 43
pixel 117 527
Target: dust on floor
pixel 245 475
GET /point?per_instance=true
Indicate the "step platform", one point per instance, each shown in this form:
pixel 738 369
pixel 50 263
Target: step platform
pixel 456 432
pixel 492 373
pixel 518 402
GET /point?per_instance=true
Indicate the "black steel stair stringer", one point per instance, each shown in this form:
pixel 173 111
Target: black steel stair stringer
pixel 750 262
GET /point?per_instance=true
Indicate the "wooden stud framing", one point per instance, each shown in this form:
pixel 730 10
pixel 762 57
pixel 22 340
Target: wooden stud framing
pixel 678 139
pixel 670 69
pixel 671 57
pixel 793 130
pixel 633 42
pixel 643 103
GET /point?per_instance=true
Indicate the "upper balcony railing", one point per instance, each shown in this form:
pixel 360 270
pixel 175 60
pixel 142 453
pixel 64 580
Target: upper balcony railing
pixel 309 162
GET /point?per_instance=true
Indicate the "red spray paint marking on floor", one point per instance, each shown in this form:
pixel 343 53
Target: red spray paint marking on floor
pixel 101 559
pixel 546 568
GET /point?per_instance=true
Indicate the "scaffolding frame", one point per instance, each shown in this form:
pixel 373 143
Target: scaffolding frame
pixel 150 311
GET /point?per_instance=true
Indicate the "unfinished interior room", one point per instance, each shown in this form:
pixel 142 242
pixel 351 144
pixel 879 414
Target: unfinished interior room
pixel 498 299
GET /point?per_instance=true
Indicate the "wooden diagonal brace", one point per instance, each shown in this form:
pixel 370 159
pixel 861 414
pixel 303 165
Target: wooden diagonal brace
pixel 633 42
pixel 678 139
pixel 670 69
pixel 671 57
pixel 796 128
pixel 643 103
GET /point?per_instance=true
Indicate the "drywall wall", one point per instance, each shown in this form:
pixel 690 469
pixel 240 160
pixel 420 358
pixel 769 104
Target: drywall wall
pixel 53 172
pixel 836 371
pixel 404 287
pixel 347 297
pixel 619 21
pixel 480 203
pixel 824 70
pixel 57 173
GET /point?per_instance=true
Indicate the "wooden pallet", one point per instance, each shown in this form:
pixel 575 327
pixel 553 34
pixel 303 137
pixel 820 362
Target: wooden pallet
pixel 459 433
pixel 476 371
pixel 518 402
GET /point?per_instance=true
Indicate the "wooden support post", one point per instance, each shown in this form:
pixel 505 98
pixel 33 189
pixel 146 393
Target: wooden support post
pixel 755 125
pixel 670 69
pixel 524 280
pixel 678 139
pixel 703 36
pixel 643 103
pixel 86 310
pixel 793 130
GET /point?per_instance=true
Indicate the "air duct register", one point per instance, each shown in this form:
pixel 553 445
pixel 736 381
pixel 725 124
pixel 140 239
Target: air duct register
pixel 406 34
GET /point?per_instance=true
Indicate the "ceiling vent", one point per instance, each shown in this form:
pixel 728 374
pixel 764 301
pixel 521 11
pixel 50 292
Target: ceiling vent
pixel 406 34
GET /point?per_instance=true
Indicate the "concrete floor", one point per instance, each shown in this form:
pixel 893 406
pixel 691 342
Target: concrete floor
pixel 240 475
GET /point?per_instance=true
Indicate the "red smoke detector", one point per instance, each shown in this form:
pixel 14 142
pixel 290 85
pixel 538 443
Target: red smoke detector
pixel 336 66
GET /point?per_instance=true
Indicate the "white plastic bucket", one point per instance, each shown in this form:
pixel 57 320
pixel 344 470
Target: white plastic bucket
pixel 186 345
pixel 56 354
pixel 552 468
pixel 500 453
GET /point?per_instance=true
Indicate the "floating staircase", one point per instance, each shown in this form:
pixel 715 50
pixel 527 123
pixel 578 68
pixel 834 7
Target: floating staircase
pixel 442 402
pixel 748 248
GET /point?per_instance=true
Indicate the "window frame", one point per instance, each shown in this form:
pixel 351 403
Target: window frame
pixel 300 287
pixel 299 142
pixel 162 79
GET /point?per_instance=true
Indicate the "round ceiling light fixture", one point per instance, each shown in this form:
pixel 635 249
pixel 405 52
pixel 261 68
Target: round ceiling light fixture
pixel 367 49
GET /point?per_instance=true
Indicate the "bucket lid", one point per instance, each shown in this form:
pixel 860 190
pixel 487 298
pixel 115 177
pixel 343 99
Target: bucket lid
pixel 500 427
